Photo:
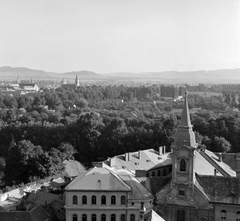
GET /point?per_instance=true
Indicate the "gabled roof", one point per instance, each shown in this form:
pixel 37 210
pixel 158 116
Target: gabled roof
pixel 43 198
pixel 36 214
pixel 73 168
pixel 138 190
pixel 152 216
pixel 155 184
pixel 139 160
pixel 220 189
pixel 98 179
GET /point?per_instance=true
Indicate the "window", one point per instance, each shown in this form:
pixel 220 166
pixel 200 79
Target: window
pixel 103 217
pixel 159 172
pixel 164 172
pixel 132 217
pixel 180 215
pixel 123 200
pixel 113 217
pixel 153 174
pixel 113 200
pixel 94 217
pixel 75 200
pixel 223 215
pixel 84 217
pixel 147 174
pixel 183 165
pixel 74 217
pixel 103 200
pixel 84 199
pixel 181 192
pixel 238 216
pixel 122 217
pixel 94 200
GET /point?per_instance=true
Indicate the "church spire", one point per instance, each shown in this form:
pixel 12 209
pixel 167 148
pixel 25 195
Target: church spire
pixel 185 135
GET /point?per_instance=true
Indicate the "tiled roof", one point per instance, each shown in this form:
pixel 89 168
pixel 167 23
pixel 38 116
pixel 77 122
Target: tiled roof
pixel 138 190
pixel 43 198
pixel 36 214
pixel 152 216
pixel 98 179
pixel 220 189
pixel 73 168
pixel 155 184
pixel 146 160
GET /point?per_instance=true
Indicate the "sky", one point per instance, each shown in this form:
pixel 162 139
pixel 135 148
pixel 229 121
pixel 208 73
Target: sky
pixel 108 36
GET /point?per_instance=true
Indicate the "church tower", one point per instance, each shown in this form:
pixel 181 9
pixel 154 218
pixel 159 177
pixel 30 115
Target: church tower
pixel 77 82
pixel 183 152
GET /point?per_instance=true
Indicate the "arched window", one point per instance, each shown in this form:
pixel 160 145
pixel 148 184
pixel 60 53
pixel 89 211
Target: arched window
pixel 123 217
pixel 94 200
pixel 238 216
pixel 223 215
pixel 103 200
pixel 94 217
pixel 132 217
pixel 84 217
pixel 183 165
pixel 113 200
pixel 103 217
pixel 113 217
pixel 75 200
pixel 180 215
pixel 123 200
pixel 84 199
pixel 74 217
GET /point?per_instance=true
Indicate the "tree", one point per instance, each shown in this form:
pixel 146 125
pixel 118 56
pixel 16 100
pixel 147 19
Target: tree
pixel 219 144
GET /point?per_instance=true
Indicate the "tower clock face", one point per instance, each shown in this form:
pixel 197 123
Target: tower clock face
pixel 192 200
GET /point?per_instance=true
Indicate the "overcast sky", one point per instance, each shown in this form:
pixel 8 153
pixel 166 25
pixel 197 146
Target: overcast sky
pixel 120 35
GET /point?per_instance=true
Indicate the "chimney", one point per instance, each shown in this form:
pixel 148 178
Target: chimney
pixel 215 172
pixel 139 154
pixel 162 150
pixel 237 164
pixel 128 156
pixel 220 157
pixel 112 161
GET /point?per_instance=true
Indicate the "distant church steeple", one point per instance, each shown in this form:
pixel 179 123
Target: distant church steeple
pixel 185 134
pixel 76 82
pixel 183 150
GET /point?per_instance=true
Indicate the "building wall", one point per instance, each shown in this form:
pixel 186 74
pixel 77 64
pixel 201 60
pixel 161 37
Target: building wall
pixel 231 211
pixel 131 206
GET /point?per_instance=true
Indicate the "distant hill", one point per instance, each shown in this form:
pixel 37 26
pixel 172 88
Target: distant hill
pixel 220 76
pixel 214 76
pixel 11 73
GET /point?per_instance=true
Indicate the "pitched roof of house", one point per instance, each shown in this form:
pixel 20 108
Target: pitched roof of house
pixel 35 214
pixel 139 160
pixel 154 184
pixel 220 189
pixel 98 179
pixel 43 198
pixel 153 216
pixel 73 168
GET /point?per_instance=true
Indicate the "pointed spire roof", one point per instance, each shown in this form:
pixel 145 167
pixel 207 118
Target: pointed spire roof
pixel 185 118
pixel 185 135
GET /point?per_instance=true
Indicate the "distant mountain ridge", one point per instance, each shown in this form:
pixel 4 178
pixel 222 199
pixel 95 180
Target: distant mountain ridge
pixel 213 76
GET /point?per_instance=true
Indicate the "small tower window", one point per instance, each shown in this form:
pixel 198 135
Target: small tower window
pixel 74 217
pixel 237 216
pixel 183 165
pixel 132 217
pixel 123 217
pixel 181 192
pixel 94 200
pixel 103 217
pixel 223 215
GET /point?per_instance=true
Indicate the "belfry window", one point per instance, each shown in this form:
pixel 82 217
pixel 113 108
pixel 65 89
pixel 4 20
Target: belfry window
pixel 183 165
pixel 223 215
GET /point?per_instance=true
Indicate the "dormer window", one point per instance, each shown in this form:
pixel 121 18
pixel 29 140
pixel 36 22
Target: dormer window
pixel 183 165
